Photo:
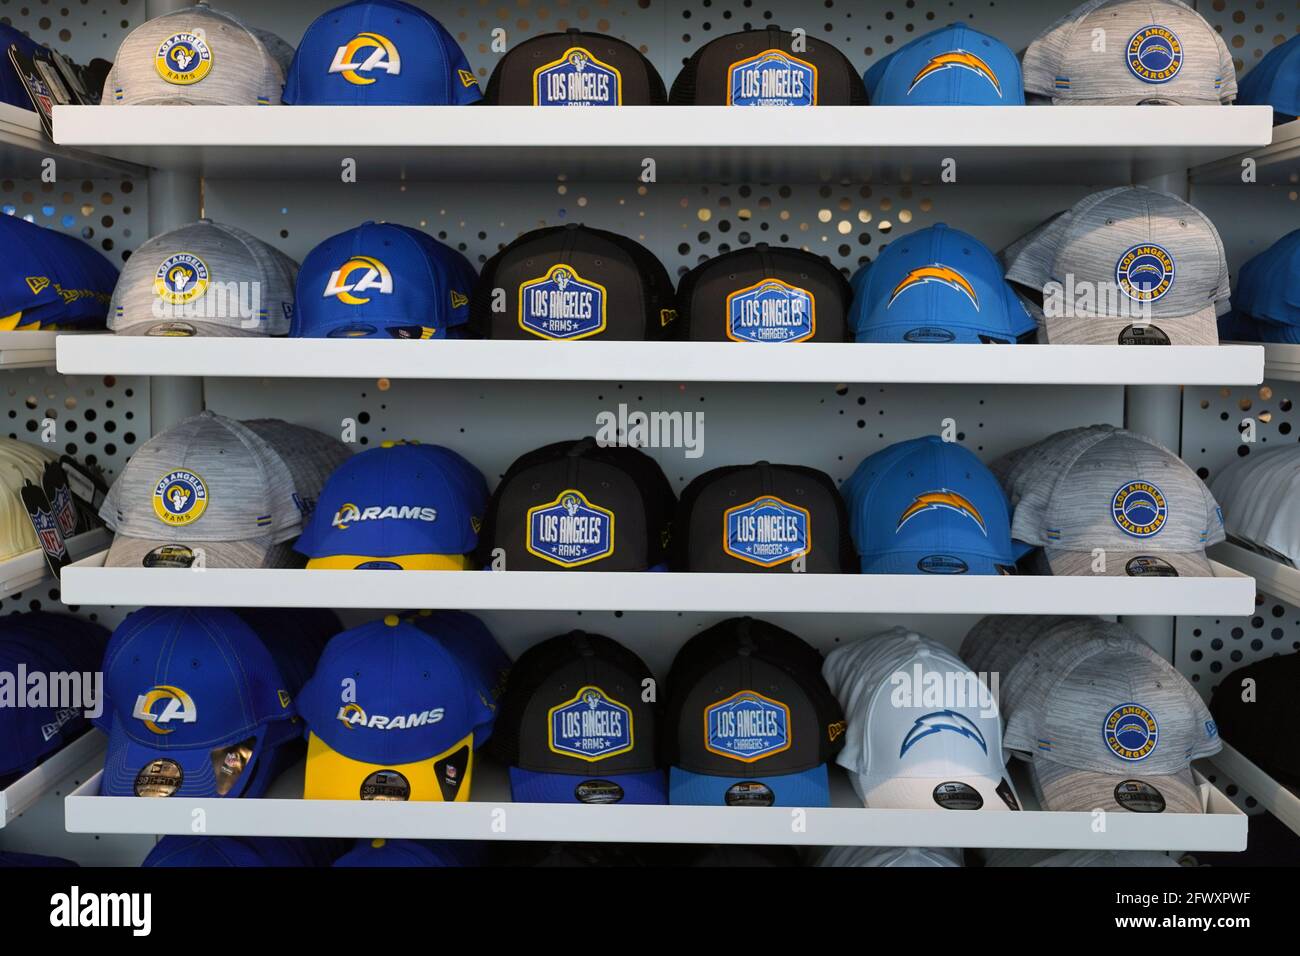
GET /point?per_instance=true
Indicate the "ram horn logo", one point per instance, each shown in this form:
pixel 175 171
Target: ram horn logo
pixel 562 278
pixel 956 60
pixel 579 60
pixel 938 722
pixel 942 499
pixel 944 275
pixel 352 714
pixel 570 504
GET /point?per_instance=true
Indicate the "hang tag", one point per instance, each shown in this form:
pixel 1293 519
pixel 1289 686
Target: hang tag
pixel 57 491
pixel 86 484
pixel 41 515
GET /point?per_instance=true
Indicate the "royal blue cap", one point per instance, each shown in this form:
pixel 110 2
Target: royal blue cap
pixel 1267 291
pixel 29 734
pixel 400 853
pixel 208 851
pixel 1275 81
pixel 33 861
pixel 382 280
pixel 951 66
pixel 400 506
pixel 927 506
pixel 936 285
pixel 469 639
pixel 185 684
pixel 379 53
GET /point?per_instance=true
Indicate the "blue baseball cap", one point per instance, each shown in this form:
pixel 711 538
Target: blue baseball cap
pixel 401 853
pixel 382 280
pixel 469 639
pixel 391 714
pixel 1275 82
pixel 951 66
pixel 208 851
pixel 402 506
pixel 29 734
pixel 197 703
pixel 379 53
pixel 1267 291
pixel 937 285
pixel 927 506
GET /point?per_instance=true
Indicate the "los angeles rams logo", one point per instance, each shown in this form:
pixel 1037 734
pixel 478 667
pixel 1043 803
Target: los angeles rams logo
pixel 956 60
pixel 1145 272
pixel 178 707
pixel 375 278
pixel 1140 509
pixel 183 59
pixel 352 714
pixel 179 498
pixel 1131 732
pixel 381 55
pixel 941 274
pixel 1154 54
pixel 945 500
pixel 181 278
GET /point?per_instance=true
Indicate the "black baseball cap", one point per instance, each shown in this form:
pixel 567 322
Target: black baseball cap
pixel 749 720
pixel 764 294
pixel 573 726
pixel 575 68
pixel 1256 727
pixel 576 505
pixel 573 282
pixel 761 68
pixel 762 517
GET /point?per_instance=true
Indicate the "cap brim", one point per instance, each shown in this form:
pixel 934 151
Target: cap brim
pixel 400 562
pixel 1198 328
pixel 917 793
pixel 127 758
pixel 1134 99
pixel 909 562
pixel 128 552
pixel 1131 564
pixel 809 788
pixel 332 776
pixel 168 329
pixel 1061 788
pixel 529 786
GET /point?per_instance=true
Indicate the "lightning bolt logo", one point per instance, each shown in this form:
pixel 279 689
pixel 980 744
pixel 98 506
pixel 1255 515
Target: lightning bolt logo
pixel 944 275
pixel 942 499
pixel 956 60
pixel 936 723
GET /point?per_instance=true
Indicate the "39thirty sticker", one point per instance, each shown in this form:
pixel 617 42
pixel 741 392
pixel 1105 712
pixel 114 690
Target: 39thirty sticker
pixel 577 78
pixel 771 311
pixel 385 785
pixel 591 726
pixel 570 531
pixel 954 795
pixel 766 531
pixel 772 78
pixel 747 726
pixel 1139 797
pixel 1149 566
pixel 179 498
pixel 562 305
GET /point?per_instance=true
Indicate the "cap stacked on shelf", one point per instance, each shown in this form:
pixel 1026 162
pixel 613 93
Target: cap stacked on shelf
pixel 954 65
pixel 768 67
pixel 1275 81
pixel 574 68
pixel 1259 501
pixel 20 462
pixel 50 280
pixel 1252 705
pixel 1267 297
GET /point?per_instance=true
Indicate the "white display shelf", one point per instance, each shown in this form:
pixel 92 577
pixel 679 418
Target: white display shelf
pixel 24 147
pixel 1282 362
pixel 1093 144
pixel 27 349
pixel 18 574
pixel 491 816
pixel 1277 798
pixel 660 361
pixel 1271 576
pixel 84 753
pixel 1276 164
pixel 1228 593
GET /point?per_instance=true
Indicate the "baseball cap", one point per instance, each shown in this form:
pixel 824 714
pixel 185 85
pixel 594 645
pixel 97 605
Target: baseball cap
pixel 1253 725
pixel 763 68
pixel 955 65
pixel 50 279
pixel 391 715
pixel 762 517
pixel 208 851
pixel 194 57
pixel 207 483
pixel 1268 292
pixel 574 727
pixel 1275 81
pixel 1154 265
pixel 310 456
pixel 379 53
pixel 1006 856
pixel 890 856
pixel 927 506
pixel 205 278
pixel 382 279
pixel 469 639
pixel 937 285
pixel 19 462
pixel 998 641
pixel 912 753
pixel 749 721
pixel 402 853
pixel 197 701
pixel 764 294
pixel 1157 52
pixel 1026 474
pixel 576 505
pixel 10 860
pixel 574 282
pixel 575 68
pixel 1111 725
pixel 1255 493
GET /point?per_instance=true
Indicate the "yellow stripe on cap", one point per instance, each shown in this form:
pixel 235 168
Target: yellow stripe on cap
pixel 10 322
pixel 407 562
pixel 332 776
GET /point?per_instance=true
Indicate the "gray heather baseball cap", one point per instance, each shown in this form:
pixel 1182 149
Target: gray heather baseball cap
pixel 310 456
pixel 1129 266
pixel 206 483
pixel 1015 857
pixel 1024 477
pixel 998 641
pixel 1154 52
pixel 889 856
pixel 1112 725
pixel 206 279
pixel 197 57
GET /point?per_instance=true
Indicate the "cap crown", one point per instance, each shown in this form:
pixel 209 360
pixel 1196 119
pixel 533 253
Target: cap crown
pixel 575 68
pixel 761 68
pixel 951 66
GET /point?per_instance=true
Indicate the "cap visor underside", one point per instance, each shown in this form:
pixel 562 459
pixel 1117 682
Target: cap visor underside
pixel 332 776
pixel 1061 788
pixel 158 328
pixel 529 786
pixel 399 562
pixel 1198 328
pixel 917 793
pixel 809 788
pixel 1136 564
pixel 127 759
pixel 908 562
pixel 128 552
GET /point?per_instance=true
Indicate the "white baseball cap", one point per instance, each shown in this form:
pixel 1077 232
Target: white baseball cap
pixel 1258 494
pixel 890 856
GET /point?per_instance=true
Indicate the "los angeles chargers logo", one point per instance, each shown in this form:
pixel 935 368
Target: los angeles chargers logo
pixel 577 78
pixel 771 311
pixel 942 499
pixel 1131 732
pixel 1140 509
pixel 177 707
pixel 766 531
pixel 179 498
pixel 1145 272
pixel 183 59
pixel 1154 54
pixel 570 531
pixel 747 726
pixel 181 278
pixel 562 305
pixel 379 54
pixel 956 60
pixel 590 726
pixel 940 722
pixel 936 273
pixel 772 78
pixel 350 288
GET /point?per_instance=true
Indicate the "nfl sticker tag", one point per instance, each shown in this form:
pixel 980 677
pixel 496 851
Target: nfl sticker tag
pixel 570 531
pixel 766 531
pixel 57 491
pixel 747 726
pixel 772 78
pixel 85 484
pixel 771 311
pixel 562 305
pixel 41 514
pixel 577 78
pixel 590 726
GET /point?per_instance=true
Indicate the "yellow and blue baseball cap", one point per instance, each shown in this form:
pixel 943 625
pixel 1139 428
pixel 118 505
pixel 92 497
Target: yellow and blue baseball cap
pixel 380 280
pixel 951 66
pixel 470 640
pixel 402 506
pixel 391 714
pixel 51 279
pixel 1275 81
pixel 407 853
pixel 379 53
pixel 205 851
